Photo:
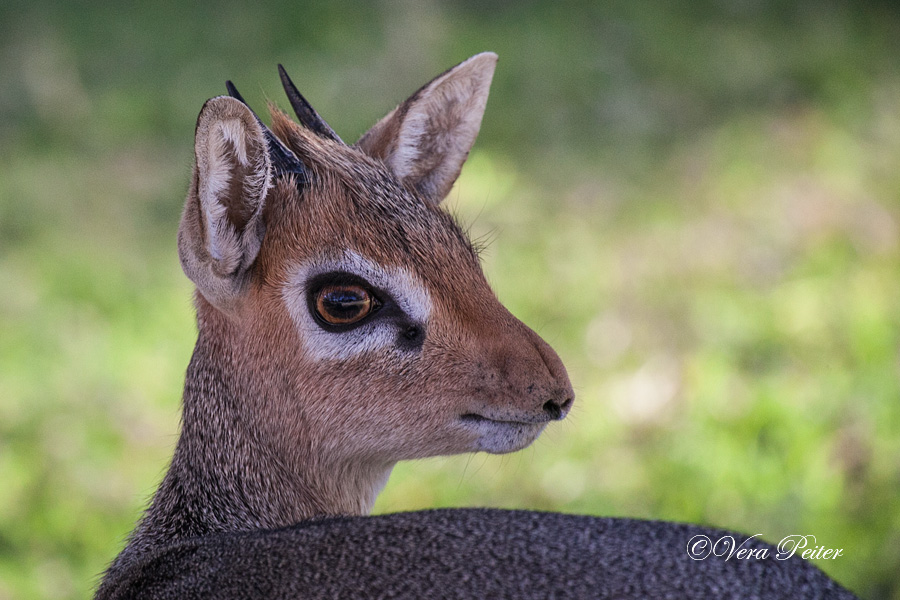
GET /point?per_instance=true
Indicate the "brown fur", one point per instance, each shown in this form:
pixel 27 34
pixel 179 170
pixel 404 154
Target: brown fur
pixel 273 435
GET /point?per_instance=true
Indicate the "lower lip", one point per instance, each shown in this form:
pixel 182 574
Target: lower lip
pixel 474 419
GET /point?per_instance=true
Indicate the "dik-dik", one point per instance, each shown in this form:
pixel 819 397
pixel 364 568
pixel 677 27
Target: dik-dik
pixel 344 325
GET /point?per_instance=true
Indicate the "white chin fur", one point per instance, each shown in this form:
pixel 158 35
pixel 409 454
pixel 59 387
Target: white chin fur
pixel 499 437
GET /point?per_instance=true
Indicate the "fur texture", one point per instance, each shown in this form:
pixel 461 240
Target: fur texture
pixel 284 420
pixel 287 422
pixel 470 554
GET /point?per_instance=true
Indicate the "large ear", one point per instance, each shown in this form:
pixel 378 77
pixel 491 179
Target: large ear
pixel 426 140
pixel 222 226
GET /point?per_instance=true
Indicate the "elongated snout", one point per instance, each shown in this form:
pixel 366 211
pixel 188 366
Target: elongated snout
pixel 534 373
pixel 521 378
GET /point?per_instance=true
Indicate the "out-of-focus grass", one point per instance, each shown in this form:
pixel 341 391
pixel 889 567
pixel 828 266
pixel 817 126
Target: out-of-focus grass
pixel 696 204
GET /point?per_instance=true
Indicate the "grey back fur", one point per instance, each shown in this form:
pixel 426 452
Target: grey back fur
pixel 466 553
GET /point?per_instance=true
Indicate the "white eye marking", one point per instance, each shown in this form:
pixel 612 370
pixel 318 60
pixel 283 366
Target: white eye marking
pixel 405 290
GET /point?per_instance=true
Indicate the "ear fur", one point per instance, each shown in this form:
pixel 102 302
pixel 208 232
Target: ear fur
pixel 222 226
pixel 426 140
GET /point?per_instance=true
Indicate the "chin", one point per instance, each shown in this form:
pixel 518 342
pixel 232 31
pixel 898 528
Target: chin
pixel 506 438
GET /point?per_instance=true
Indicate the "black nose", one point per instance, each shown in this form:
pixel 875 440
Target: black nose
pixel 557 410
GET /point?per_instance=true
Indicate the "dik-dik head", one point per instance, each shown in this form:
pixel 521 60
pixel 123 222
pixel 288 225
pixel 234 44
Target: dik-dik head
pixel 347 309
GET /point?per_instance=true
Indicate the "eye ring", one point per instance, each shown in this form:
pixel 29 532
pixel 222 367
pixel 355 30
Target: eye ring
pixel 343 304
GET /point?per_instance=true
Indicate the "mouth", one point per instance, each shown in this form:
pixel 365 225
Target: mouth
pixel 476 419
pixel 499 436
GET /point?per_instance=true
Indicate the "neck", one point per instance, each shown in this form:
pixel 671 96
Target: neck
pixel 228 475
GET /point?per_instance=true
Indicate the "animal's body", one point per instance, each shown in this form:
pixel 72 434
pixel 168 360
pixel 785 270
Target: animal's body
pixel 344 325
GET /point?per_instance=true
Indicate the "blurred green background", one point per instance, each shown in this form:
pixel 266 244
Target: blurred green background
pixel 696 203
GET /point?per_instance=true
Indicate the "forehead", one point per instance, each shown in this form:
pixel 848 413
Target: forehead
pixel 352 203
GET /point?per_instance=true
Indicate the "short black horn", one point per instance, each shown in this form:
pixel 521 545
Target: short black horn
pixel 283 160
pixel 232 91
pixel 305 113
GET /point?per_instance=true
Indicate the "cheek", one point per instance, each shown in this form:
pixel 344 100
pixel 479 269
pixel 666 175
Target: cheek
pixel 368 408
pixel 391 397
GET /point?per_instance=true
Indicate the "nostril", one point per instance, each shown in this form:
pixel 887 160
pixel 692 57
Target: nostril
pixel 553 409
pixel 557 411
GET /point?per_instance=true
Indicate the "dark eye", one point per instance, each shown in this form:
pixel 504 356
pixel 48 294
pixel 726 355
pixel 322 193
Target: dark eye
pixel 344 304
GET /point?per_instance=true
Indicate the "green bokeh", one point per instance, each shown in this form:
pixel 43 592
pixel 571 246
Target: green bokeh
pixel 696 203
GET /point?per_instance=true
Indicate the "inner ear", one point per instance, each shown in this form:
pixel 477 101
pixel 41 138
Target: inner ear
pixel 222 224
pixel 426 139
pixel 241 170
pixel 233 176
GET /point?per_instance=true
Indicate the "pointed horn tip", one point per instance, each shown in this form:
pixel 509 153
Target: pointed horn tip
pixel 232 91
pixel 306 114
pixel 289 86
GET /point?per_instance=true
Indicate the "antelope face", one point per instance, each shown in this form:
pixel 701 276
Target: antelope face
pixel 391 311
pixel 363 313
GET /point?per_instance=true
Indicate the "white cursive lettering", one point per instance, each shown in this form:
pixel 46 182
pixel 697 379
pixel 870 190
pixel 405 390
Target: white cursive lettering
pixel 701 547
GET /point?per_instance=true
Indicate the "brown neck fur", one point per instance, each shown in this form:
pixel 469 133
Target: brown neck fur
pixel 227 474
